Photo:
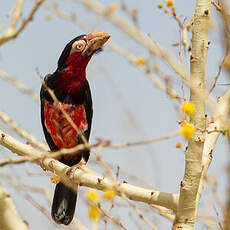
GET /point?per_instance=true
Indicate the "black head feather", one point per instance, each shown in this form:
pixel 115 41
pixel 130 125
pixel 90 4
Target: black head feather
pixel 65 53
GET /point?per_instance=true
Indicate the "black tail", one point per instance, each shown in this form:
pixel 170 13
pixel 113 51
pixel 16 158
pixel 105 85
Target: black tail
pixel 64 203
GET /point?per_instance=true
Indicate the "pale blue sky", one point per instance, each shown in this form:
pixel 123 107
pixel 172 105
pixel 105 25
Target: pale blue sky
pixel 127 106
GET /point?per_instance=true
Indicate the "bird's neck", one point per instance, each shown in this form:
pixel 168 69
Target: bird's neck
pixel 70 81
pixel 77 63
pixel 71 78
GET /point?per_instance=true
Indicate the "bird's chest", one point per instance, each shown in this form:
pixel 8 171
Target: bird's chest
pixel 57 123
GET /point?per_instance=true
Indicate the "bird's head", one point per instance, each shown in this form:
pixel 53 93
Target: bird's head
pixel 78 52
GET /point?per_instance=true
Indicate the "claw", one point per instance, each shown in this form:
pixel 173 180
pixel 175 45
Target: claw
pixel 72 169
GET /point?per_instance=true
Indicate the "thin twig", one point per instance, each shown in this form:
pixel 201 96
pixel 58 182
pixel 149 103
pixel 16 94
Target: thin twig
pixel 143 217
pixel 135 33
pixel 22 133
pixel 19 85
pixel 12 32
pixel 114 220
pixel 217 6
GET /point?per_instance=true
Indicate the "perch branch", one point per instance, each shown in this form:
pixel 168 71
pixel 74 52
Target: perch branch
pixel 89 179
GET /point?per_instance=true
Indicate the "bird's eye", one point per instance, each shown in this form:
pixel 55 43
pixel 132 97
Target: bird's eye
pixel 79 46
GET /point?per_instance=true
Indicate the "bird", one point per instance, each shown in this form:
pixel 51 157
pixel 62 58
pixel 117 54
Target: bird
pixel 72 91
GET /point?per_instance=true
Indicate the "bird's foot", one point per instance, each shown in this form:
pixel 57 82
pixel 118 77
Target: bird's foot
pixel 73 168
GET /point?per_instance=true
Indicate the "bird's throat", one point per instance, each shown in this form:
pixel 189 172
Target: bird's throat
pixel 71 81
pixel 71 78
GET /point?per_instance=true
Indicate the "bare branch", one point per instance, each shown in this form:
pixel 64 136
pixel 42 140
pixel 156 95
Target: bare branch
pixel 144 68
pixel 189 190
pixel 135 33
pixel 217 6
pixel 12 31
pixel 19 85
pixel 8 214
pixel 170 91
pixel 89 179
pixel 22 133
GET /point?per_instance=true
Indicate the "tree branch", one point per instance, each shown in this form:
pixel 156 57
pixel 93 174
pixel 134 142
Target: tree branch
pixel 189 191
pixel 8 214
pixel 19 85
pixel 87 178
pixel 134 32
pixel 12 32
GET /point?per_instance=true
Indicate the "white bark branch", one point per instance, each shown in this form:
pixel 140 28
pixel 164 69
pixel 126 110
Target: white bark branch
pixel 88 178
pixel 192 181
pixel 9 218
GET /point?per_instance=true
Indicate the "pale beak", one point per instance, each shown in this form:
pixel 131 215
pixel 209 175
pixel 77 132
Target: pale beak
pixel 94 42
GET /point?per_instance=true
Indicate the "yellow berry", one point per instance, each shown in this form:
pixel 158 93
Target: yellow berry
pixel 189 26
pixel 140 60
pixel 94 212
pixel 188 108
pixel 92 196
pixel 55 178
pixel 178 145
pixel 160 5
pixel 187 130
pixel 169 3
pixel 109 194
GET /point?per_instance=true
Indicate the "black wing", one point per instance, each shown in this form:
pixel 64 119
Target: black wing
pixel 44 95
pixel 89 115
